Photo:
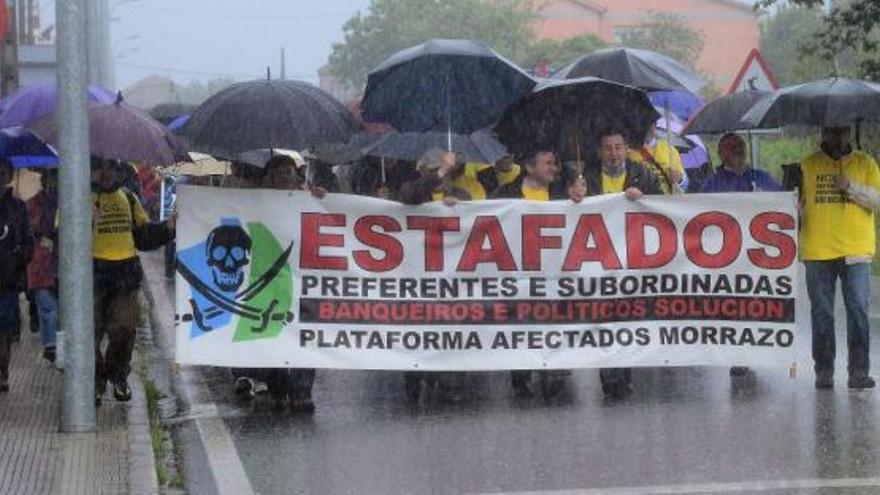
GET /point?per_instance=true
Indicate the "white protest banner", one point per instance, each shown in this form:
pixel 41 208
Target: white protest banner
pixel 275 279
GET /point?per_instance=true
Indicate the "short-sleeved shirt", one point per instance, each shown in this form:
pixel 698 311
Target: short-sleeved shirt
pixel 661 152
pixel 536 194
pixel 833 225
pixel 112 238
pixel 613 184
pixel 469 181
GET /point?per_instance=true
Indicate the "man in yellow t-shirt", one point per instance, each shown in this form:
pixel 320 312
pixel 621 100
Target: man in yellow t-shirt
pixel 480 180
pixel 840 191
pixel 117 272
pixel 662 160
pixel 541 172
pixel 617 174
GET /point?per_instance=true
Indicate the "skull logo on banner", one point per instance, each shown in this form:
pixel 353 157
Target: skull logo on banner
pixel 228 249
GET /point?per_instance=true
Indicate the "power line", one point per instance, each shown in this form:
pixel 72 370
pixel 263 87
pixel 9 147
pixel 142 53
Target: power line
pixel 177 70
pixel 242 16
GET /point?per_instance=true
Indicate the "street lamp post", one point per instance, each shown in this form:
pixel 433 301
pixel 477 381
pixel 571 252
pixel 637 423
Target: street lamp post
pixel 75 213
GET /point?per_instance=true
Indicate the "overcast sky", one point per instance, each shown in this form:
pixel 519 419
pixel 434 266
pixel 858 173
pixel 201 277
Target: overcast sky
pixel 205 39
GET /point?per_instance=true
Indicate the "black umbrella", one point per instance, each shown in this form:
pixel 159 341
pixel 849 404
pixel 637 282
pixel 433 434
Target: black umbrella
pixel 479 146
pixel 569 115
pixel 267 114
pixel 643 69
pixel 456 86
pixel 725 113
pixel 346 152
pixel 834 102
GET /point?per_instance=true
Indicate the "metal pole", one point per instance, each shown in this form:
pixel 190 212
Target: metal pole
pixel 755 148
pixel 75 271
pixel 283 64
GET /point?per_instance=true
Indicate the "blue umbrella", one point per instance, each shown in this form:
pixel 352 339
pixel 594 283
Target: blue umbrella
pixel 178 122
pixel 25 150
pixel 31 103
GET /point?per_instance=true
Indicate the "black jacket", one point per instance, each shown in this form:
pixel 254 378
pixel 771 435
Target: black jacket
pixel 513 190
pixel 636 176
pixel 421 190
pixel 16 242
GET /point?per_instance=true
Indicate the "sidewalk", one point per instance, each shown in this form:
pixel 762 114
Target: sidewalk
pixel 35 458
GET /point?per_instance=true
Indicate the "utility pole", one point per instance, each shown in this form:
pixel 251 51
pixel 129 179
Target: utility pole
pixel 283 64
pixel 99 51
pixel 9 67
pixel 75 270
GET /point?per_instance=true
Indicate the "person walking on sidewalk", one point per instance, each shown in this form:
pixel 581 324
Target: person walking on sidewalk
pixel 840 192
pixel 120 227
pixel 16 248
pixel 42 271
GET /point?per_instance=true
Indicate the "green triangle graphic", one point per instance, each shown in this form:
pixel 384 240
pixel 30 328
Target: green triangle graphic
pixel 266 250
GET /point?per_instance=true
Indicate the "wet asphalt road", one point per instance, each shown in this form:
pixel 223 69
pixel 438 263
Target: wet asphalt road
pixel 684 430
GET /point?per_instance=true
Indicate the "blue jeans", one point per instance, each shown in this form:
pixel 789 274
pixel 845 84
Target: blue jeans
pixel 47 308
pixel 822 284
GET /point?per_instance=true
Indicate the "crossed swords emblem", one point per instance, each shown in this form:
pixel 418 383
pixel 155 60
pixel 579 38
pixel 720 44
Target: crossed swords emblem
pixel 238 304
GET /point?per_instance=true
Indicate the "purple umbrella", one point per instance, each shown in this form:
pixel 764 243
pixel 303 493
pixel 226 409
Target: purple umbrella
pixel 696 156
pixel 682 104
pixel 121 131
pixel 31 103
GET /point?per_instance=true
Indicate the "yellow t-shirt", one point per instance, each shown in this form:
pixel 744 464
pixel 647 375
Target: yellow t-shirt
pixel 834 226
pixel 469 182
pixel 613 184
pixel 536 194
pixel 112 239
pixel 661 152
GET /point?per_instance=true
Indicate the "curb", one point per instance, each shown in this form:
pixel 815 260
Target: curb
pixel 142 477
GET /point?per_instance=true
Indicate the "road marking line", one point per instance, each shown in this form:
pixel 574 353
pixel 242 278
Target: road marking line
pixel 224 463
pixel 223 459
pixel 747 486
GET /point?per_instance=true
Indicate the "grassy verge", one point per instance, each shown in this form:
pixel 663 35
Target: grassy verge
pixel 157 431
pixel 169 473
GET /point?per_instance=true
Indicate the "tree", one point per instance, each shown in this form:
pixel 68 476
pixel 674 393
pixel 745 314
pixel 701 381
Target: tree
pixel 668 34
pixel 783 34
pixel 392 25
pixel 555 53
pixel 850 34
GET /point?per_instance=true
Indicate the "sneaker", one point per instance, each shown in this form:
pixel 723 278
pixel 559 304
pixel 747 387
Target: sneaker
pixel 617 390
pixel 49 354
pixel 302 404
pixel 553 388
pixel 824 380
pixel 860 382
pixel 244 387
pixel 121 391
pixel 739 371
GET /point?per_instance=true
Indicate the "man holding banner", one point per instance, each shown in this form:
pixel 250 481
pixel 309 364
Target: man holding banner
pixel 534 185
pixel 617 175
